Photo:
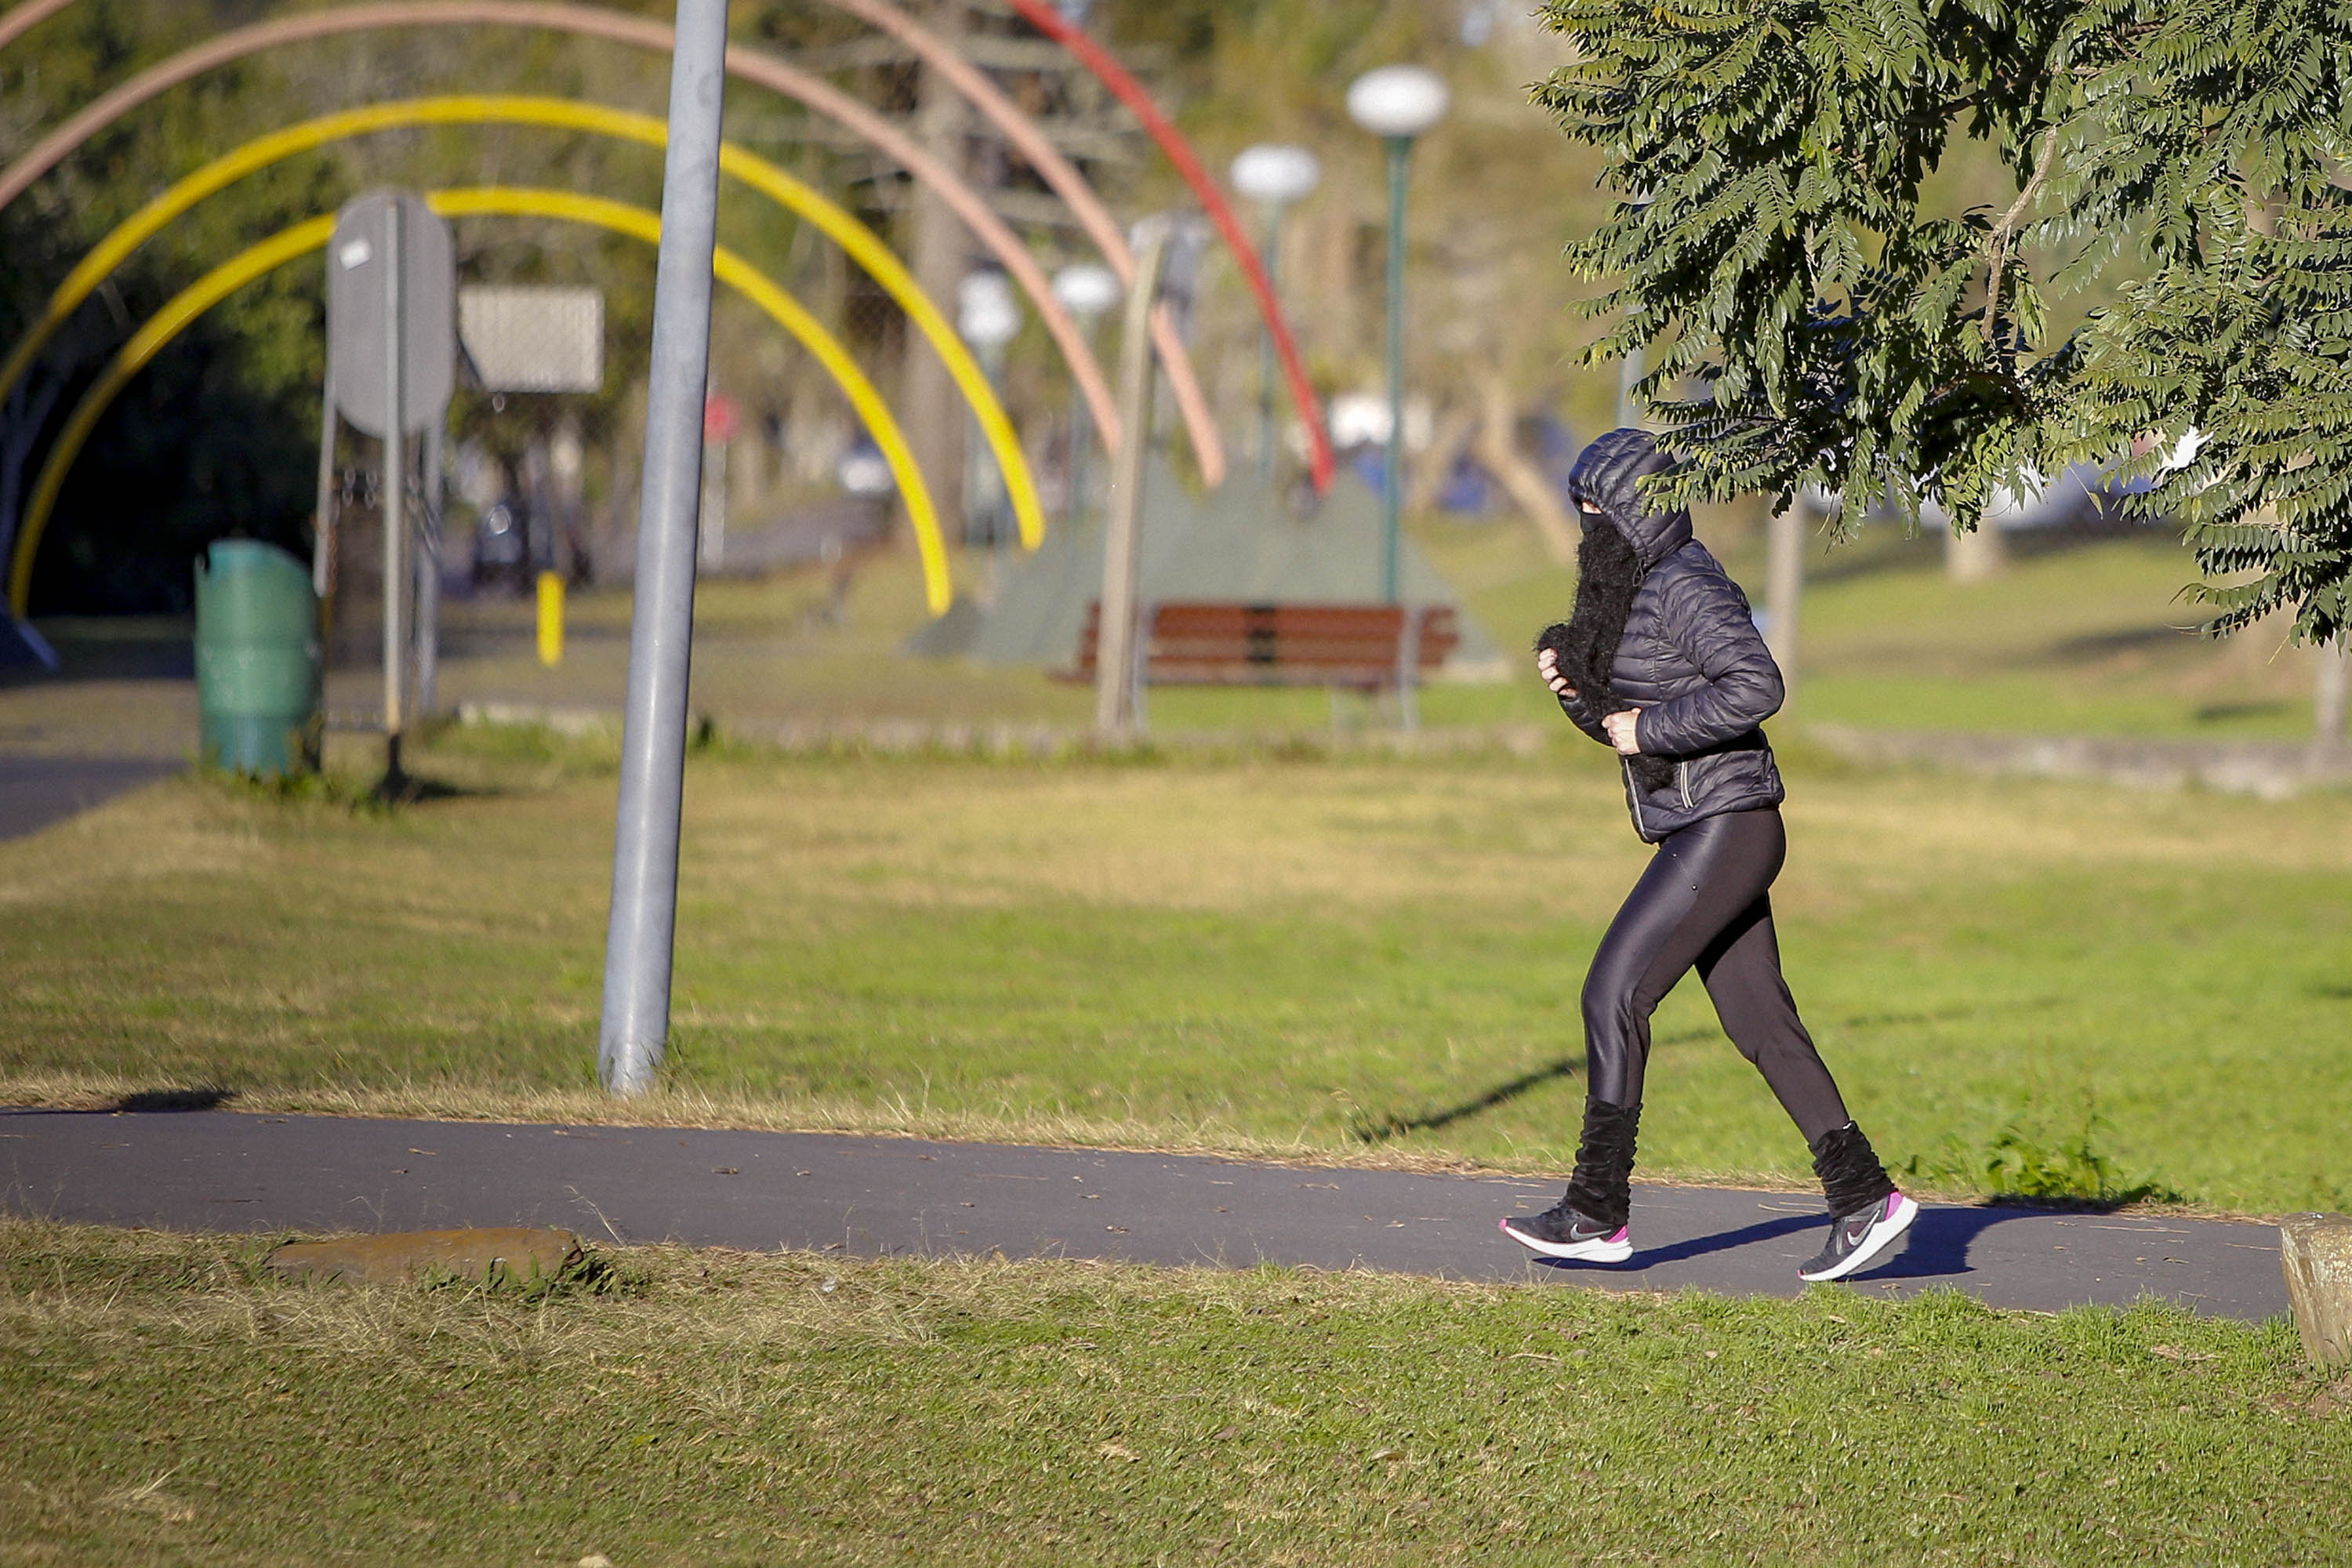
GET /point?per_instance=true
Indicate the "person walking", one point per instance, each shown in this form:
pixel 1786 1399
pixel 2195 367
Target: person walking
pixel 1662 661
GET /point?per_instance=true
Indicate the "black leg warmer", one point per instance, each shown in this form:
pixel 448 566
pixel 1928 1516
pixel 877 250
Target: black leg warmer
pixel 1602 1189
pixel 1852 1178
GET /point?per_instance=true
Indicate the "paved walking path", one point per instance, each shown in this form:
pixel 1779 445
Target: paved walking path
pixel 230 1172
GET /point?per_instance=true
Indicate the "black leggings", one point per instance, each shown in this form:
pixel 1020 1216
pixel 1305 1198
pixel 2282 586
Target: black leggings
pixel 1703 903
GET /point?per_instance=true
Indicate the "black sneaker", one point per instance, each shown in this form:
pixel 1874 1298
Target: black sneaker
pixel 1562 1232
pixel 1855 1239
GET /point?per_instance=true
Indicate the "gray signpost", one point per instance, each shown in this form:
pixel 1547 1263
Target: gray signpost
pixel 639 942
pixel 392 345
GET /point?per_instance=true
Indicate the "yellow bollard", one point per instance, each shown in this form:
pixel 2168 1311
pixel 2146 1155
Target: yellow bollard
pixel 550 619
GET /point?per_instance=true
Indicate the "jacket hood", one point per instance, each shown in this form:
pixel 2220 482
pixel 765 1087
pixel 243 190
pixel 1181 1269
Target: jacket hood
pixel 1609 474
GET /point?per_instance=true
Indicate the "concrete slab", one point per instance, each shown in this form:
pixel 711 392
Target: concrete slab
pixel 880 1196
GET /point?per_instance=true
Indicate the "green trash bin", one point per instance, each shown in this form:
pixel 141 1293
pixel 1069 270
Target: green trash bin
pixel 257 659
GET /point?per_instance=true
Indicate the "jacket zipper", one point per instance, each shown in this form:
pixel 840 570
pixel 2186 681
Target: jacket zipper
pixel 1633 795
pixel 1682 776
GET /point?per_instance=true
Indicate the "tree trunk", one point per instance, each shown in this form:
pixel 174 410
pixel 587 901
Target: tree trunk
pixel 1529 488
pixel 1784 590
pixel 2329 697
pixel 1429 474
pixel 1976 555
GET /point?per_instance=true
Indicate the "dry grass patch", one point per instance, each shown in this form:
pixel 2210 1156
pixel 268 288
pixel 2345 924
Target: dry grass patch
pixel 164 1401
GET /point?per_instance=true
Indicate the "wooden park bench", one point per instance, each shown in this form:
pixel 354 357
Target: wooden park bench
pixel 1369 648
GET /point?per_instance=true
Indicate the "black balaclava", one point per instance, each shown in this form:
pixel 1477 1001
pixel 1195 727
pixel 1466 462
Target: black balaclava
pixel 1609 572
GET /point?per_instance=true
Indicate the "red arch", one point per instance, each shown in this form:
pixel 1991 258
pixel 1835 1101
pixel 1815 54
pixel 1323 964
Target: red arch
pixel 1048 21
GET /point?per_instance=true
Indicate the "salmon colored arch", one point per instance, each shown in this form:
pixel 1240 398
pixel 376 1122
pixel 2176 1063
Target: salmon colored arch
pixel 586 21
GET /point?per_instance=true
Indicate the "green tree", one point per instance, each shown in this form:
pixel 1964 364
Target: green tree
pixel 1810 316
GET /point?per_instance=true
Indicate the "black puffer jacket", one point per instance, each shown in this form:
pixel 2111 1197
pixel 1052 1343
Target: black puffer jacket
pixel 1691 660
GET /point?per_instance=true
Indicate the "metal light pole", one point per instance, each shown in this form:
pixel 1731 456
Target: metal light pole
pixel 1396 103
pixel 1086 292
pixel 988 319
pixel 1273 176
pixel 639 942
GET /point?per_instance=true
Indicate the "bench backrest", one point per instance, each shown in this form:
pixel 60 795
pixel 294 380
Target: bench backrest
pixel 1205 643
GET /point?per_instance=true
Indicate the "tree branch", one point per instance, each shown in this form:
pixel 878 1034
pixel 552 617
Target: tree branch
pixel 1998 246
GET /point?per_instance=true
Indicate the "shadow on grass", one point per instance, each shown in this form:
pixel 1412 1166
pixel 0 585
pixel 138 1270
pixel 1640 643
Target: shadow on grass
pixel 2094 648
pixel 1369 1126
pixel 392 793
pixel 139 1102
pixel 2221 713
pixel 208 1098
pixel 1883 548
pixel 413 789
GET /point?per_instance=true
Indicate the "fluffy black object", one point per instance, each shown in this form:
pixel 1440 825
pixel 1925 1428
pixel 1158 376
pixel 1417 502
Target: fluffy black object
pixel 1603 1187
pixel 1608 575
pixel 1852 1178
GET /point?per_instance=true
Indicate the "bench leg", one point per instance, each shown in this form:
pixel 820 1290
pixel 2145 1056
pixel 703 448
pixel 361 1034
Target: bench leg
pixel 1138 681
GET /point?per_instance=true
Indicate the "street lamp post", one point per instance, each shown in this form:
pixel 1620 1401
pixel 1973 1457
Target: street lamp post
pixel 1087 291
pixel 1396 103
pixel 640 939
pixel 1273 176
pixel 988 319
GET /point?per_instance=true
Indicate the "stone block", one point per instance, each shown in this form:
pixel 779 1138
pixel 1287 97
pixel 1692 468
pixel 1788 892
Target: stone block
pixel 2316 1252
pixel 512 1254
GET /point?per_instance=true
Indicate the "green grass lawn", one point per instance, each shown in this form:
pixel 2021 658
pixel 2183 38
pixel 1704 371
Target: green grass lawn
pixel 162 1401
pixel 1348 957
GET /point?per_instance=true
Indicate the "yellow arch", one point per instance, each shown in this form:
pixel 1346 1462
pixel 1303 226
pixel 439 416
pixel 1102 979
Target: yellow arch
pixel 862 245
pixel 636 222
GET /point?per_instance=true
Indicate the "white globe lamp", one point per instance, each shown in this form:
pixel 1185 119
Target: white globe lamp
pixel 1086 291
pixel 1398 101
pixel 1275 175
pixel 986 313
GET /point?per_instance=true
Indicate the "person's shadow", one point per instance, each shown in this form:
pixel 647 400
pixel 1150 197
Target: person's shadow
pixel 1936 1247
pixel 1940 1239
pixel 1375 1127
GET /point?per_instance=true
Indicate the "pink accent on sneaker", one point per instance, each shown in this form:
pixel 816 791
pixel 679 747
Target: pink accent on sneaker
pixel 1625 1233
